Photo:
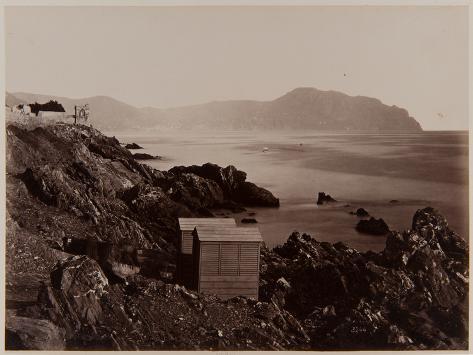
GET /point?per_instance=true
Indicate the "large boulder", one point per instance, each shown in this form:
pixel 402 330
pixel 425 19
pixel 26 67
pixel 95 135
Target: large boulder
pixel 227 178
pixel 232 183
pixel 77 284
pixel 196 192
pixel 80 299
pixel 152 202
pixel 23 333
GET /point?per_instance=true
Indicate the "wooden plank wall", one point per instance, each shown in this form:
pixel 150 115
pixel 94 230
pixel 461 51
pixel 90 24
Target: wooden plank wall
pixel 228 269
pixel 187 240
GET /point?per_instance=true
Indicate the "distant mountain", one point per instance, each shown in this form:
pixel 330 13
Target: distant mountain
pixel 12 101
pixel 301 108
pixel 105 112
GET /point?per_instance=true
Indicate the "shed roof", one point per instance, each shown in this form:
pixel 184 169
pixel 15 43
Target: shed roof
pixel 188 224
pixel 227 234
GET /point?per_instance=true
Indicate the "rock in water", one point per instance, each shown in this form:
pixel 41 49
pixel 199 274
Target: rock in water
pixel 373 226
pixel 324 198
pixel 361 212
pixel 133 146
pixel 145 156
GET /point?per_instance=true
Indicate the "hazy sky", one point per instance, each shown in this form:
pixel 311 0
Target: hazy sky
pixel 413 57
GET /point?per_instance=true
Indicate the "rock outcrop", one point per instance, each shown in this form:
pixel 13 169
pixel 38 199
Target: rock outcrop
pixel 233 184
pixel 78 171
pixel 412 295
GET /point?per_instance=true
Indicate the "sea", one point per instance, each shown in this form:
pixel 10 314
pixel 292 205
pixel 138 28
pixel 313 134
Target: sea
pixel 391 175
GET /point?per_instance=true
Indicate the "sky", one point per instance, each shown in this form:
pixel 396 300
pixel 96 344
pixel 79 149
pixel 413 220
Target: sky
pixel 412 57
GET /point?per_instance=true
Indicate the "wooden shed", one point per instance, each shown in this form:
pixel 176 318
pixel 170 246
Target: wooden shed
pixel 185 239
pixel 227 260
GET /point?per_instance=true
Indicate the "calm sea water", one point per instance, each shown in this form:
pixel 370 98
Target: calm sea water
pixel 361 170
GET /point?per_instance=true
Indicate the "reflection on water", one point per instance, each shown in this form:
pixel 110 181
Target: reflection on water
pixel 363 170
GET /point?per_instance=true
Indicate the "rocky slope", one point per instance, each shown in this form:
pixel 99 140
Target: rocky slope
pixel 91 237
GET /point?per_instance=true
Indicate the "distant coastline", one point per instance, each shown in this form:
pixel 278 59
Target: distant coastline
pixel 301 108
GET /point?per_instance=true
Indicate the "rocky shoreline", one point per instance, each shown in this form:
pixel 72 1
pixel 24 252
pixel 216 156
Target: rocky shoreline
pixel 79 207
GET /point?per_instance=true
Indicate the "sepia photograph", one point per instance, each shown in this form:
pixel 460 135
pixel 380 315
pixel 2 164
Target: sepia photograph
pixel 235 177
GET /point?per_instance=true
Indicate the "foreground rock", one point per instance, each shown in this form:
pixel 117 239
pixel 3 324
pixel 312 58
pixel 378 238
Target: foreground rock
pixel 373 226
pixel 412 295
pixel 323 198
pixel 148 314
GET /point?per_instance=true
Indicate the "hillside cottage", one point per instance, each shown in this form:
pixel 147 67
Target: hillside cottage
pixel 185 243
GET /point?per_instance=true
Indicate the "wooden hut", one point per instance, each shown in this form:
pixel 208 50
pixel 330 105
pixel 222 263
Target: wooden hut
pixel 226 261
pixel 185 239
